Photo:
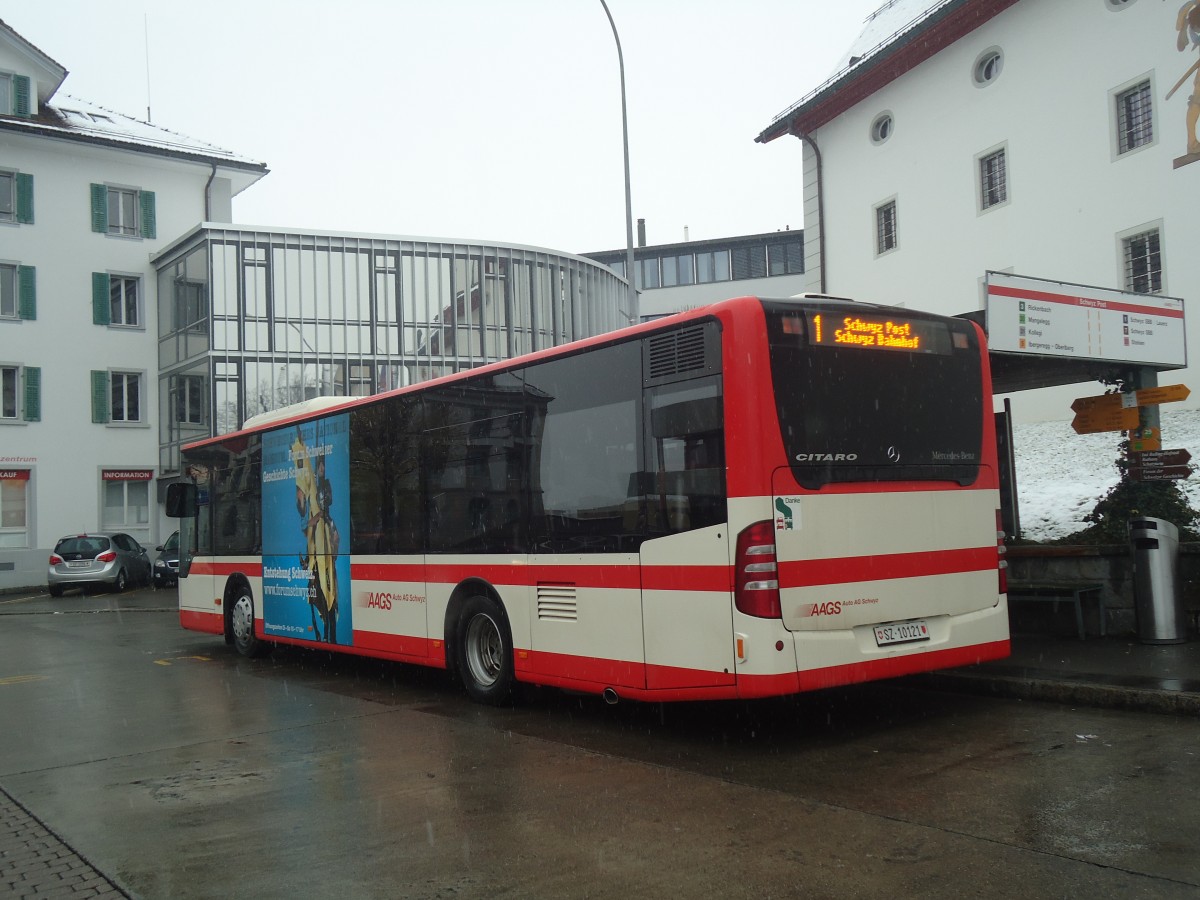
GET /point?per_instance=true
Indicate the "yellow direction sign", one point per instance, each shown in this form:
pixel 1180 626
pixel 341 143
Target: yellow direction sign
pixel 1119 419
pixel 1167 394
pixel 1107 403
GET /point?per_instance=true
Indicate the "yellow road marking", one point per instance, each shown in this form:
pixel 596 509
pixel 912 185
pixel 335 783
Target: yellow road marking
pixel 22 679
pixel 167 662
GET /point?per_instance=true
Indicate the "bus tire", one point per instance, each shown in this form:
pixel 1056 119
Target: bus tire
pixel 485 652
pixel 241 626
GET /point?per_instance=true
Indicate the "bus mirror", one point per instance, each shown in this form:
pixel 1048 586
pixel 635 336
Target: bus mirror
pixel 181 500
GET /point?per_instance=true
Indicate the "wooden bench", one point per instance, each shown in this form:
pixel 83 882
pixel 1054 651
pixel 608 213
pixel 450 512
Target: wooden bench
pixel 1061 591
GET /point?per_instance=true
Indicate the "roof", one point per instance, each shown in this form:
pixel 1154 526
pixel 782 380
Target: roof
pixel 898 37
pixel 71 118
pixel 55 73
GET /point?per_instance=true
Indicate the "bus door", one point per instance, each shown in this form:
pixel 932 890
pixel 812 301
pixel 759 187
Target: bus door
pixel 686 609
pixel 882 555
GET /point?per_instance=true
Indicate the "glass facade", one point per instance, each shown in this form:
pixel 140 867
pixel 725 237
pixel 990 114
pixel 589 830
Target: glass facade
pixel 250 321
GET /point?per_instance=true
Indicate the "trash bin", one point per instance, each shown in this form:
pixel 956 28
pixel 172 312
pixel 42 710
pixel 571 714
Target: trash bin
pixel 1160 615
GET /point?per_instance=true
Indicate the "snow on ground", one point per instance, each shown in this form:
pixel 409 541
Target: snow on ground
pixel 1061 475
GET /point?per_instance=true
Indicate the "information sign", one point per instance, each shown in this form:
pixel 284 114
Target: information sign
pixel 1051 318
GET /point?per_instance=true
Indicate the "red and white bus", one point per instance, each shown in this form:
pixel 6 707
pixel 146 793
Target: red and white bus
pixel 759 497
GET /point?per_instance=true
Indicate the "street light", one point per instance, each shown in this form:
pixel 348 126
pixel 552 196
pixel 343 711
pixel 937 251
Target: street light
pixel 633 302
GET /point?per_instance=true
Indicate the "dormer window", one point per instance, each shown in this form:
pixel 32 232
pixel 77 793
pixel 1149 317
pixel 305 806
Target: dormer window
pixel 14 95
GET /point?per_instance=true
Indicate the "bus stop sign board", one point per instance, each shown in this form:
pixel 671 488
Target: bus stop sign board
pixel 1052 318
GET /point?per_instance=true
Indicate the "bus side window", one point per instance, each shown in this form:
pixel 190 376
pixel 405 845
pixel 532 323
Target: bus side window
pixel 685 454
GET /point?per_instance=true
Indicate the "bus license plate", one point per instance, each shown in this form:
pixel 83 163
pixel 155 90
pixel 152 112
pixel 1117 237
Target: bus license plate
pixel 901 633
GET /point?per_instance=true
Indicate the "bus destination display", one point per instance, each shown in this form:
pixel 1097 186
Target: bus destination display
pixel 869 332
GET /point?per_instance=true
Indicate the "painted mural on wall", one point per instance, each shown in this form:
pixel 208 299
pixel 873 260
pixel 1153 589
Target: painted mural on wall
pixel 1187 26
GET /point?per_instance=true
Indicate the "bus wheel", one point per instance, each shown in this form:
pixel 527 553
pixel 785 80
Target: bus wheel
pixel 485 652
pixel 242 624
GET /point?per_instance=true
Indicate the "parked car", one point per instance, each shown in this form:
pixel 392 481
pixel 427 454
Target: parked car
pixel 166 564
pixel 99 558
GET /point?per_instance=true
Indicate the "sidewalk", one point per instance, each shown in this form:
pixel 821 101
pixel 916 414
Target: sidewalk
pixel 1113 672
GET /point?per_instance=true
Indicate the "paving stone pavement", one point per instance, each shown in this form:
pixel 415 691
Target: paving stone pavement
pixel 35 862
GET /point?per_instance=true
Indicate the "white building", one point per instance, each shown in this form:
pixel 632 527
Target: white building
pixel 133 317
pixel 676 277
pixel 1053 139
pixel 87 197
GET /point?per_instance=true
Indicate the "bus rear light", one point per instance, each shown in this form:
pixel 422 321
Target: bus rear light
pixel 756 579
pixel 1001 551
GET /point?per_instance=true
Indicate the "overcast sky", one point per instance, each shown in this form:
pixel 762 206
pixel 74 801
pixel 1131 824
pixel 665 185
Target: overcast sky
pixel 472 119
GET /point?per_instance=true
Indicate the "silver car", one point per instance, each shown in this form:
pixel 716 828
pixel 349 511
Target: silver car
pixel 109 558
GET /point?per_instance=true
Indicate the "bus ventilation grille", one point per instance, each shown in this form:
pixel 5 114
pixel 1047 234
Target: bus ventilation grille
pixel 675 353
pixel 556 600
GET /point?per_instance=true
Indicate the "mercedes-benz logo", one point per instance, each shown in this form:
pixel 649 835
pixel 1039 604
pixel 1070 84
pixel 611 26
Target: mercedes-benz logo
pixel 893 454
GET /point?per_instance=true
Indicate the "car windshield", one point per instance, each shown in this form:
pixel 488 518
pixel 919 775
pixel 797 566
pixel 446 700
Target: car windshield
pixel 84 546
pixel 172 544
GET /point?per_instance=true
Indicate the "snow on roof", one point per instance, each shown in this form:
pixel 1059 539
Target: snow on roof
pixel 883 26
pixel 72 116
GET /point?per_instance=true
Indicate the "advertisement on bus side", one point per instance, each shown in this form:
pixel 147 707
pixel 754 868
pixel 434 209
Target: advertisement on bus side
pixel 306 519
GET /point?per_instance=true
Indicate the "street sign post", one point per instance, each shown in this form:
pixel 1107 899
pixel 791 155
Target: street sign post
pixel 1160 465
pixel 1158 458
pixel 1160 473
pixel 1115 419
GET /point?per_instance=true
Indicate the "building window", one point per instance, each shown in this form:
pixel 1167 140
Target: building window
pixel 993 180
pixel 1143 262
pixel 9 384
pixel 712 266
pixel 123 300
pixel 647 273
pixel 116 397
pixel 785 258
pixel 881 128
pixel 124 211
pixel 126 504
pixel 188 394
pixel 8 292
pixel 749 262
pixel 6 94
pixel 988 66
pixel 20 393
pixel 16 197
pixel 14 508
pixel 1135 125
pixel 886 237
pixel 18 291
pixel 677 270
pixel 8 197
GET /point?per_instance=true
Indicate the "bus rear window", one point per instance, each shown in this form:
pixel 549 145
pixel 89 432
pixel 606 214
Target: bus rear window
pixel 865 394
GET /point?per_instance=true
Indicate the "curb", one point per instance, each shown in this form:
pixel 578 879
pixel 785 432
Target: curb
pixel 1054 688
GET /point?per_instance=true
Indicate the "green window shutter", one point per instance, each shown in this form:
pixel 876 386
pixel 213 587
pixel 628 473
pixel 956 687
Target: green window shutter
pixel 149 226
pixel 21 104
pixel 101 310
pixel 24 198
pixel 99 396
pixel 33 394
pixel 27 292
pixel 99 208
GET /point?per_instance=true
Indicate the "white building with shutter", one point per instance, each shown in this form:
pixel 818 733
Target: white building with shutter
pixel 87 197
pixel 134 317
pixel 1054 139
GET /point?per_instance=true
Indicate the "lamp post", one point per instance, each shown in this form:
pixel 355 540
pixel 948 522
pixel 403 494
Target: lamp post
pixel 633 303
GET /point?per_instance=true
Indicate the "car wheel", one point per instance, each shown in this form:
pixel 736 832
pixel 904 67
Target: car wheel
pixel 484 652
pixel 242 625
pixel 56 590
pixel 121 583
